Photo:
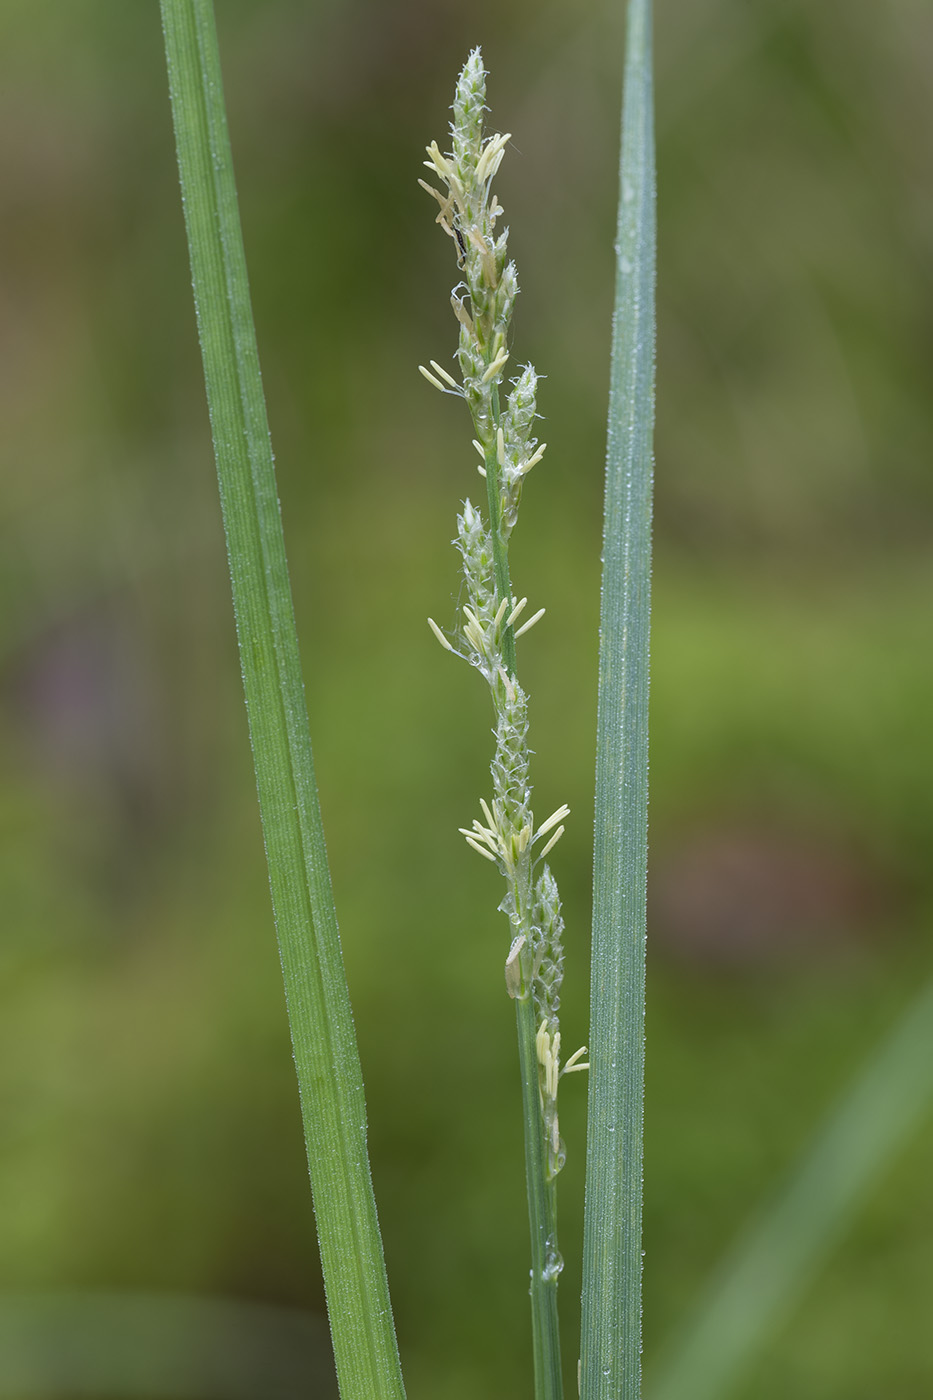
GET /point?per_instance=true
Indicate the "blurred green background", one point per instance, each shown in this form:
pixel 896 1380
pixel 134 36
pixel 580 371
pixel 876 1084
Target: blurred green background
pixel 149 1132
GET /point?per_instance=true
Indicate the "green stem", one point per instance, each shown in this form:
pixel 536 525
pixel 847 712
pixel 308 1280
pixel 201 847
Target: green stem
pixel 326 1058
pixel 611 1328
pixel 542 1214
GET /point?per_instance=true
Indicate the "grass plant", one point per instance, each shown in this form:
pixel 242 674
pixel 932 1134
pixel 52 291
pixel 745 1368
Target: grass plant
pixel 102 1339
pixel 483 302
pixel 610 1357
pixel 325 1050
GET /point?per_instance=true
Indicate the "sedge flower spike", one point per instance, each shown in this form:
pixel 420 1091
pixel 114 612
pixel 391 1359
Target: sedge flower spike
pixel 507 835
pixel 503 416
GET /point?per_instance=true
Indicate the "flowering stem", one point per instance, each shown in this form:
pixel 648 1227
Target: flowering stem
pixel 540 1189
pixel 542 1214
pixel 482 304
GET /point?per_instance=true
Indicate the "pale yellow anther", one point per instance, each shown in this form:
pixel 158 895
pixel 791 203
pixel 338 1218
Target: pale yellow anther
pixel 462 315
pixel 438 161
pixel 491 157
pixel 553 819
pixel 513 967
pixel 488 838
pixel 507 682
pixel 534 460
pixel 574 1063
pixel 439 369
pixel 442 199
pixel 516 612
pixel 500 612
pixel 526 627
pixel 482 849
pixel 554 1065
pixel 479 833
pixel 495 367
pixel 553 842
pixel 439 634
pixel 548 1051
pixel 433 379
pixel 480 448
pixel 486 257
pixel 486 813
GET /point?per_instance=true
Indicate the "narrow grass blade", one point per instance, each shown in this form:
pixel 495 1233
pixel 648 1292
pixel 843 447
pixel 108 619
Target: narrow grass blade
pixel 773 1263
pixel 611 1333
pixel 326 1058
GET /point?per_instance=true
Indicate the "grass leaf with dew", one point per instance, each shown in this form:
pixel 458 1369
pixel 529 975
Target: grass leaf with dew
pixel 508 835
pixel 610 1356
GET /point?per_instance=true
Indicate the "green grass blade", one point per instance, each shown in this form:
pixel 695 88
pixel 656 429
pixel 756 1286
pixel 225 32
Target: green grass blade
pixel 782 1251
pixel 323 1037
pixel 611 1332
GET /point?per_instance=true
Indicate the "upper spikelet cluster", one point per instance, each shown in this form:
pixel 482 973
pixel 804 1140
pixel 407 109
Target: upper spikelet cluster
pixel 483 301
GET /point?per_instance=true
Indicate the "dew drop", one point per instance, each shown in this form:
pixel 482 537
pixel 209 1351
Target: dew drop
pixel 553 1263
